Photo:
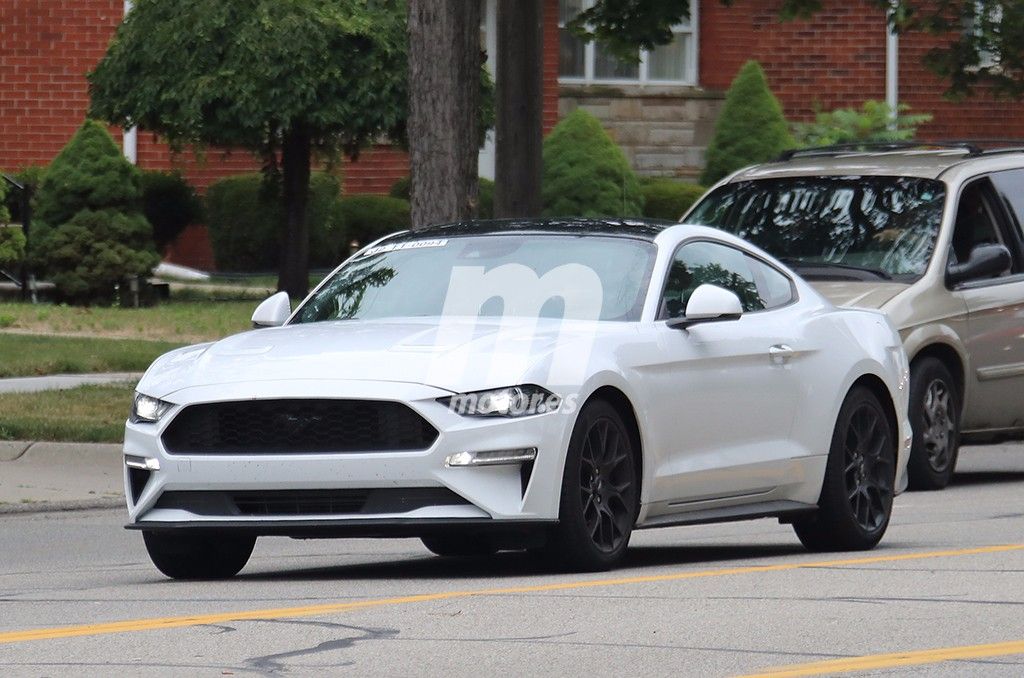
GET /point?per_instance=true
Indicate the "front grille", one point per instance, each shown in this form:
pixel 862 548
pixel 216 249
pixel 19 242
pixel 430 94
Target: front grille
pixel 308 502
pixel 297 426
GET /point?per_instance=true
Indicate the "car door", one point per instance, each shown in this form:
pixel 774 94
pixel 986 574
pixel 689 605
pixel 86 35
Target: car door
pixel 990 210
pixel 726 392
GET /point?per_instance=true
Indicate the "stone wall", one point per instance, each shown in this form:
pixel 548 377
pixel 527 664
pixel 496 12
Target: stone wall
pixel 664 131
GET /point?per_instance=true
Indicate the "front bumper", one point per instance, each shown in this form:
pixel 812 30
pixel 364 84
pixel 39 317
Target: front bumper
pixel 494 495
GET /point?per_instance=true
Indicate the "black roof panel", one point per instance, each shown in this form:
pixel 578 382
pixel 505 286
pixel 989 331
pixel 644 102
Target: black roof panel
pixel 646 229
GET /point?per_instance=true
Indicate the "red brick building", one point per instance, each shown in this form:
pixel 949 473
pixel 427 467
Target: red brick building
pixel 661 111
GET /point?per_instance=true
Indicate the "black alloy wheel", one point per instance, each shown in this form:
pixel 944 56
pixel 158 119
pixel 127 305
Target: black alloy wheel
pixel 860 476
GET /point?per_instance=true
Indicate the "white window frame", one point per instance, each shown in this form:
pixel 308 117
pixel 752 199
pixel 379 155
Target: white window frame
pixel 692 53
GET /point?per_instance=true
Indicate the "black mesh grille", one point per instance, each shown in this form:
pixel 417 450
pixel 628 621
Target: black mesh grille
pixel 296 426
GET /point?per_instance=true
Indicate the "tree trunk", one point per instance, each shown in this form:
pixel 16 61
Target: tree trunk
pixel 518 162
pixel 296 151
pixel 444 93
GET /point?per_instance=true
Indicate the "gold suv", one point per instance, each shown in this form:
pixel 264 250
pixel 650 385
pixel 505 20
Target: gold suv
pixel 931 234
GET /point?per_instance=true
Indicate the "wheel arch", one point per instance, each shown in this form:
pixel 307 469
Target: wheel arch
pixel 622 404
pixel 878 388
pixel 949 357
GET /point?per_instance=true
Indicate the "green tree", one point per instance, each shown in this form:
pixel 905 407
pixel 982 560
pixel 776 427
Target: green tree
pixel 89 233
pixel 990 54
pixel 873 121
pixel 750 129
pixel 170 204
pixel 585 173
pixel 283 78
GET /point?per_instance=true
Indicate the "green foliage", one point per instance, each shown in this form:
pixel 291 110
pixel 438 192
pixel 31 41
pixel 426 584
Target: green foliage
pixel 30 176
pixel 400 189
pixel 89 233
pixel 750 129
pixel 667 199
pixel 364 218
pixel 170 204
pixel 850 125
pixel 989 54
pixel 5 214
pixel 244 215
pixel 585 173
pixel 12 246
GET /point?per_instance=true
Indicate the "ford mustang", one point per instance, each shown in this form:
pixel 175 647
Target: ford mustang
pixel 548 385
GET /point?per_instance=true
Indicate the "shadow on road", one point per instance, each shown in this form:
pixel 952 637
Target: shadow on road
pixel 519 564
pixel 986 477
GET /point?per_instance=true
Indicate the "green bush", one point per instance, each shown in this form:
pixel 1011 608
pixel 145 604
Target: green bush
pixel 246 217
pixel 89 233
pixel 364 218
pixel 30 176
pixel 5 214
pixel 869 123
pixel 12 246
pixel 400 189
pixel 750 129
pixel 585 173
pixel 668 199
pixel 170 204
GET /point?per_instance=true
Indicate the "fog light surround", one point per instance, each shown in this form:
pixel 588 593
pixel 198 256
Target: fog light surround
pixel 142 463
pixel 520 455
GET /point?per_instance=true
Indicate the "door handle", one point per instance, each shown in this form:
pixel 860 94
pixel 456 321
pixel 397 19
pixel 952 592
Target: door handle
pixel 780 354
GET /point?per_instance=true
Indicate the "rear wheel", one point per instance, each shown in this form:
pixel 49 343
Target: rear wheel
pixel 598 505
pixel 194 556
pixel 857 492
pixel 459 545
pixel 935 419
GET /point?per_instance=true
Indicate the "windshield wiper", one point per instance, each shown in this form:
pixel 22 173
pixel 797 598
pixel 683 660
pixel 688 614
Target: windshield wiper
pixel 801 264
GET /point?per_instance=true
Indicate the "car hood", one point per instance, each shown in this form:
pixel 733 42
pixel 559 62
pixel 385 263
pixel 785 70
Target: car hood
pixel 859 294
pixel 457 355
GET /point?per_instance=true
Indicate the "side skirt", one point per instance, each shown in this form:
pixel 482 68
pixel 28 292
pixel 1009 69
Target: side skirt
pixel 785 511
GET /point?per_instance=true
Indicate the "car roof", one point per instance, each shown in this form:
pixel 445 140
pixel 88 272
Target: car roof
pixel 644 229
pixel 925 164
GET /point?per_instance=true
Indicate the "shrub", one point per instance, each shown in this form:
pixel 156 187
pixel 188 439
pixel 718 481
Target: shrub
pixel 12 246
pixel 400 189
pixel 170 204
pixel 364 218
pixel 5 214
pixel 850 125
pixel 585 173
pixel 667 199
pixel 30 176
pixel 245 217
pixel 750 129
pixel 90 233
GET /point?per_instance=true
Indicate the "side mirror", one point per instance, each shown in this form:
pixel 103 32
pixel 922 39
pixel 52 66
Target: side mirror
pixel 708 303
pixel 273 311
pixel 986 261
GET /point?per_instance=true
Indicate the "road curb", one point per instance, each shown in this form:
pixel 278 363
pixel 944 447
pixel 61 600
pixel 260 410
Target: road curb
pixel 57 506
pixel 47 476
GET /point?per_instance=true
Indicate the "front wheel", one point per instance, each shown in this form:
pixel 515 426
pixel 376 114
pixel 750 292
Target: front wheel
pixel 196 556
pixel 935 419
pixel 598 505
pixel 857 492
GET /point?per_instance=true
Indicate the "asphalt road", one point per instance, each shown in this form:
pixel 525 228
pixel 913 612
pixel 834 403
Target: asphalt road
pixel 78 596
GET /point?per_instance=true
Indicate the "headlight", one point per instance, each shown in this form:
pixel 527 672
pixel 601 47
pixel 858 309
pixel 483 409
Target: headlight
pixel 512 401
pixel 148 410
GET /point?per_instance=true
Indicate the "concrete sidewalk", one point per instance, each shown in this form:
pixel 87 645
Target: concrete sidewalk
pixel 59 476
pixel 57 382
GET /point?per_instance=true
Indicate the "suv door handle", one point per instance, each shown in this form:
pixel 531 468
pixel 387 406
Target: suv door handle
pixel 780 354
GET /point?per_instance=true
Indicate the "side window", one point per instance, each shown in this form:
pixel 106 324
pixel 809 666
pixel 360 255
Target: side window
pixel 1010 187
pixel 774 287
pixel 699 263
pixel 975 220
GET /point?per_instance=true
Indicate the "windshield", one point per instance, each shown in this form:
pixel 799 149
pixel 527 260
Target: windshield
pixel 535 275
pixel 834 227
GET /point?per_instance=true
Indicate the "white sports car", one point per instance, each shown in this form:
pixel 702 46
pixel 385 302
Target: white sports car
pixel 545 385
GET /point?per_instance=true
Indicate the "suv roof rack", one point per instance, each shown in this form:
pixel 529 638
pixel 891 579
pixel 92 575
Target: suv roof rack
pixel 972 147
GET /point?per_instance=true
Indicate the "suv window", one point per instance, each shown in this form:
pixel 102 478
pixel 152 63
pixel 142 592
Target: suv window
pixel 758 285
pixel 1010 186
pixel 976 221
pixel 848 227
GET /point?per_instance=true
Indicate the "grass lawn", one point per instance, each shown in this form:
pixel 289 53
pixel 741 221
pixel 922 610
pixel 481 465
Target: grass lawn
pixel 24 355
pixel 180 322
pixel 89 414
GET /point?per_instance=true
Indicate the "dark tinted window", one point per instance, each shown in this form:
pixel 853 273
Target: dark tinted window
pixel 881 226
pixel 699 263
pixel 1010 186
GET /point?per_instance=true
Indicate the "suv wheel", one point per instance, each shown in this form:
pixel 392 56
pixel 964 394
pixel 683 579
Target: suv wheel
pixel 935 418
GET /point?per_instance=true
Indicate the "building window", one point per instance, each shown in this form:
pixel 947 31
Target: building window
pixel 588 62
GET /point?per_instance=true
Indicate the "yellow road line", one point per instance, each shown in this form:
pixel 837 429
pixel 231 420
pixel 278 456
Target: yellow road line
pixel 888 661
pixel 335 608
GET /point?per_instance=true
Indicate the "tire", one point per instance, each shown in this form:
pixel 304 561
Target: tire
pixel 459 546
pixel 599 496
pixel 856 496
pixel 935 418
pixel 195 556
